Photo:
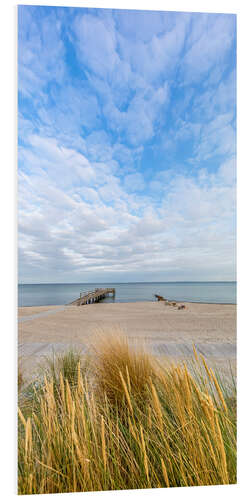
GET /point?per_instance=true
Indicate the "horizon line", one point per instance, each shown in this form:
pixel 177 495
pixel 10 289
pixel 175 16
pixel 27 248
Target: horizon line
pixel 128 282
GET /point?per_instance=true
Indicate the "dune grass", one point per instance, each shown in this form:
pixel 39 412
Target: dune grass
pixel 118 420
pixel 19 377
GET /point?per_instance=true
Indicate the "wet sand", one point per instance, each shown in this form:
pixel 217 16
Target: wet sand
pixel 163 330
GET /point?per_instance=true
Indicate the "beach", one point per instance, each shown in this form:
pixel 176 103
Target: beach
pixel 162 330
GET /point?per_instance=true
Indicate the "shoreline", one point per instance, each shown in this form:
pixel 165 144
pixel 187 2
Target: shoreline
pixel 136 302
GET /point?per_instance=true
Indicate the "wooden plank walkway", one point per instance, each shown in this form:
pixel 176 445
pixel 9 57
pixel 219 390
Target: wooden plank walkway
pixel 93 296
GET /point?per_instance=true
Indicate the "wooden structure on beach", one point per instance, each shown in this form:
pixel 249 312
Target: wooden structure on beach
pixel 93 296
pixel 159 297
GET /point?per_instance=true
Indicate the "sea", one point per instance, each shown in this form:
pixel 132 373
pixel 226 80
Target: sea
pixel 220 292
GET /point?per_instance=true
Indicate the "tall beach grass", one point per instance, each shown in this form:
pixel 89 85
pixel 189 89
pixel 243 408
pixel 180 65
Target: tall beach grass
pixel 117 419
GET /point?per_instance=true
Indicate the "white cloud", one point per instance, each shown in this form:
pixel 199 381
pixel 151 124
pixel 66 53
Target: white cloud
pixel 227 172
pixel 137 123
pixel 99 146
pixel 65 166
pixel 117 74
pixel 134 182
pixel 160 54
pixel 87 205
pixel 41 55
pixel 138 25
pixel 218 137
pixel 96 44
pixel 212 40
pixel 79 232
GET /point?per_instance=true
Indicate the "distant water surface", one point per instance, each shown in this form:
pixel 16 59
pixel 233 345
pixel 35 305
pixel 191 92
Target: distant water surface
pixel 221 292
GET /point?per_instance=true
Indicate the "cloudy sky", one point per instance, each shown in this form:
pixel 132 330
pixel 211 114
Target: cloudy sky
pixel 127 144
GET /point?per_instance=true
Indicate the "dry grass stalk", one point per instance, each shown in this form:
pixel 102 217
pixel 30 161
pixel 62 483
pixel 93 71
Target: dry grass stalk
pixel 73 437
pixel 126 392
pixel 218 389
pixel 104 456
pixel 28 439
pixel 157 407
pixel 145 458
pixel 222 453
pixel 165 474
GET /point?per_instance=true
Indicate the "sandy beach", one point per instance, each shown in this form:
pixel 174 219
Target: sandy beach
pixel 163 330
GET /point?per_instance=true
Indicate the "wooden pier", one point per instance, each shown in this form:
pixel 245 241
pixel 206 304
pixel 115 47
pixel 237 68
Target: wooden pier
pixel 93 296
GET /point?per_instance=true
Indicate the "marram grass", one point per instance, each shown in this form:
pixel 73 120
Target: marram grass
pixel 120 421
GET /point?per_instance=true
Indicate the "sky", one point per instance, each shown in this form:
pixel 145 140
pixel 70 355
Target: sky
pixel 126 145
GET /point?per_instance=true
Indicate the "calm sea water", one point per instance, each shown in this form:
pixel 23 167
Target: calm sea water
pixel 59 294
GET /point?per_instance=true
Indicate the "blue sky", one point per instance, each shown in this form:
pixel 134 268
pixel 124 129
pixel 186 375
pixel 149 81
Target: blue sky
pixel 127 145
